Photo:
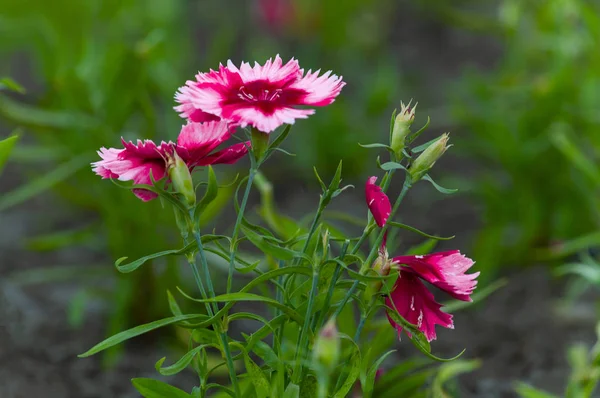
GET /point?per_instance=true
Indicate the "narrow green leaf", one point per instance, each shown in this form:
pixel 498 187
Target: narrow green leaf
pixel 212 189
pixel 417 337
pixel 353 373
pixel 241 297
pixel 336 180
pixel 449 371
pixel 441 189
pixel 280 138
pixel 150 388
pixel 292 391
pixel 29 115
pixel 266 353
pixel 418 133
pixel 132 266
pixel 424 146
pixel 9 84
pixel 368 146
pixel 180 365
pixel 136 331
pixel 173 306
pixel 370 379
pixel 267 247
pixel 46 181
pixel 6 147
pixel 527 391
pixel 226 390
pixel 413 229
pixel 387 166
pixel 258 378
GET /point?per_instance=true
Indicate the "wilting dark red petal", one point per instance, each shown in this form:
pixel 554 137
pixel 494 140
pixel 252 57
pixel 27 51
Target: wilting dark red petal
pixel 378 202
pixel 415 303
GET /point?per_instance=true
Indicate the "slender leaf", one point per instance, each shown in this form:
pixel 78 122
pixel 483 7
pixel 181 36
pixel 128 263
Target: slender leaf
pixel 150 388
pixel 6 147
pixel 413 229
pixel 136 331
pixel 353 373
pixel 441 189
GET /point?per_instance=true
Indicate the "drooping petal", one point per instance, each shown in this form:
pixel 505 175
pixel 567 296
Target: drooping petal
pixel 445 270
pixel 197 140
pixel 320 90
pixel 377 201
pixel 226 156
pixel 415 303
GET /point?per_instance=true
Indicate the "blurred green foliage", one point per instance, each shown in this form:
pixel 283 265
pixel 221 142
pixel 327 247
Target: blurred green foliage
pixel 539 104
pixel 105 69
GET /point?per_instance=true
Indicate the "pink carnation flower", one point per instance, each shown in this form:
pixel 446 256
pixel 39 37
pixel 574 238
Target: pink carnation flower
pixel 137 161
pixel 263 96
pixel 410 297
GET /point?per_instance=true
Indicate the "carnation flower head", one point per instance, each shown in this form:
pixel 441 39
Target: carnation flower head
pixel 144 161
pixel 263 96
pixel 409 296
pixel 413 300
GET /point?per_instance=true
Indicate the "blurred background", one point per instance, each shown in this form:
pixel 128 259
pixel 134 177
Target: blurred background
pixel 517 83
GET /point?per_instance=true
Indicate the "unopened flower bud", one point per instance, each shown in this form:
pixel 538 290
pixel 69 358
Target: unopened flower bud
pixel 401 129
pixel 427 159
pixel 326 350
pixel 179 174
pixel 381 266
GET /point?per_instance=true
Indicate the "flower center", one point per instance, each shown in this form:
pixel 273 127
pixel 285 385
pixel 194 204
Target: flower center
pixel 258 95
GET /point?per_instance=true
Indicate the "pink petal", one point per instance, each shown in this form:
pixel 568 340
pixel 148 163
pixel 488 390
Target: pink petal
pixel 321 90
pixel 417 305
pixel 134 163
pixel 445 270
pixel 188 111
pixel 267 123
pixel 273 72
pixel 197 140
pixel 378 202
pixel 228 155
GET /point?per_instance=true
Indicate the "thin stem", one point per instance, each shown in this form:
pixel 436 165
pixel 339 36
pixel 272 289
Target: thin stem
pixel 366 264
pixel 211 293
pixel 300 348
pixel 236 228
pixel 334 279
pixel 363 318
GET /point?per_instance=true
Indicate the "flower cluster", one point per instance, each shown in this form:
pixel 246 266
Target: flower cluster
pixel 410 297
pixel 263 96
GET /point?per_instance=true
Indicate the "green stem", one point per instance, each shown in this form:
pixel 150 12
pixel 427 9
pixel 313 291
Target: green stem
pixel 302 342
pixel 236 228
pixel 407 185
pixel 211 293
pixel 334 279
